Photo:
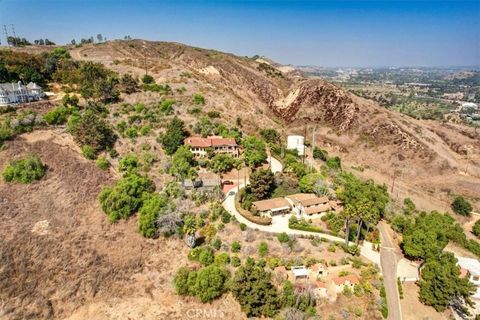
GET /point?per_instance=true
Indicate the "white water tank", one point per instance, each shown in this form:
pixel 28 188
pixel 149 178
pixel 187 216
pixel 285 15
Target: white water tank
pixel 296 143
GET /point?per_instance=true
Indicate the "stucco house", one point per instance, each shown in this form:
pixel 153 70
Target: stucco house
pixel 346 281
pixel 16 93
pixel 271 207
pixel 200 146
pixel 306 204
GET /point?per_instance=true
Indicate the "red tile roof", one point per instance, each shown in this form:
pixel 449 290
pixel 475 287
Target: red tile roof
pixel 314 201
pixel 213 141
pixel 341 280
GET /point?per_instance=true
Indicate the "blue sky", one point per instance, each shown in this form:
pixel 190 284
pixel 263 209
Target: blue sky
pixel 325 33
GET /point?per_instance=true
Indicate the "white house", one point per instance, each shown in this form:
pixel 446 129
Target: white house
pixel 473 267
pixel 15 93
pixel 305 204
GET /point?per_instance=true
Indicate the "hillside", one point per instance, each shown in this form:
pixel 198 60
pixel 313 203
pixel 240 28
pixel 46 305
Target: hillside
pixel 430 158
pixel 61 257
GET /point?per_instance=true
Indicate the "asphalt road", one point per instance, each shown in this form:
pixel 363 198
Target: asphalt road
pixel 388 261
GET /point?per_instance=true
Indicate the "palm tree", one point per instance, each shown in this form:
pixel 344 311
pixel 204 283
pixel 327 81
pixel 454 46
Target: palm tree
pixel 190 228
pixel 348 213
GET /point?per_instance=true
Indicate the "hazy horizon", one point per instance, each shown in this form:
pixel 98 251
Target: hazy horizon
pixel 336 34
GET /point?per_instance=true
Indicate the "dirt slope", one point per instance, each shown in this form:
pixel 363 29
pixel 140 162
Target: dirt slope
pixel 59 255
pixel 431 158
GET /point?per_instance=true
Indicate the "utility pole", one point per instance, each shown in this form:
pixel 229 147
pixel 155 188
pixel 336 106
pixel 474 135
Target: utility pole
pixel 145 57
pixel 13 30
pixel 6 34
pixel 304 137
pixel 313 147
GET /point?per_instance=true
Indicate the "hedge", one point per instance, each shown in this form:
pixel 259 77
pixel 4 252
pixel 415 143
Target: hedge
pixel 265 221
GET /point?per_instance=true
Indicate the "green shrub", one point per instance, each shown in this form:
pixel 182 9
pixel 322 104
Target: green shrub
pixel 243 226
pixel 235 261
pixel 476 228
pixel 462 206
pixel 198 99
pixel 207 283
pixel 152 207
pixel 283 237
pixel 88 152
pixel 128 163
pixel 57 116
pixel 263 249
pixel 217 243
pixel 24 170
pixel 236 246
pixel 334 163
pixel 103 163
pixel 126 197
pixel 148 79
pixel 222 259
pixel 206 256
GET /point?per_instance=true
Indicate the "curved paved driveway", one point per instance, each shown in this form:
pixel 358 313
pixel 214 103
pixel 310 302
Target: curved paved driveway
pixel 280 225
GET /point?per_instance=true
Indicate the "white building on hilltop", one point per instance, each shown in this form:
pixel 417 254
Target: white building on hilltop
pixel 15 93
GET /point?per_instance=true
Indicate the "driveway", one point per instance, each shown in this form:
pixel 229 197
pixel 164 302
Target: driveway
pixel 280 225
pixel 388 258
pixel 275 165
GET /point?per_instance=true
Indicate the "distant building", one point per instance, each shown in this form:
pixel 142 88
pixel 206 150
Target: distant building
pixel 308 203
pixel 296 143
pixel 271 207
pixel 16 93
pixel 201 146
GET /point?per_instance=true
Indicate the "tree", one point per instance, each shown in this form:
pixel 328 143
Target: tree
pixel 313 182
pixel 270 135
pixel 182 164
pixel 190 228
pixel 89 129
pixel 441 283
pixel 24 170
pixel 129 83
pixel 476 228
pixel 207 283
pixel 254 152
pixel 429 235
pixel 99 37
pixel 152 207
pixel 125 197
pixel 106 89
pixel 261 183
pixel 252 288
pixel 365 200
pixel 221 163
pixel 462 206
pixel 174 136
